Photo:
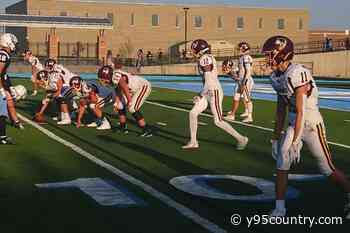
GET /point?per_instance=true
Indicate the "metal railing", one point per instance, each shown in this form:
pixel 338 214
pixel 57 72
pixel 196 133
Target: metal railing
pixel 86 53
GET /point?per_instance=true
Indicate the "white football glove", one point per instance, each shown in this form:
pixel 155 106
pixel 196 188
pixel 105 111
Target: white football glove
pixel 196 99
pixel 294 151
pixel 275 148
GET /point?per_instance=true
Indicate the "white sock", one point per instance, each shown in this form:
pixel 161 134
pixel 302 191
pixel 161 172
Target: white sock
pixel 193 127
pixel 280 204
pixel 250 107
pixel 66 116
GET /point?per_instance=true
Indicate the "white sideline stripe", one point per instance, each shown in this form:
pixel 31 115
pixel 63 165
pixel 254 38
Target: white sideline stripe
pixel 237 122
pixel 185 211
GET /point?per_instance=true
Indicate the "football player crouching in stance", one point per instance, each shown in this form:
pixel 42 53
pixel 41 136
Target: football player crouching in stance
pixel 63 96
pixel 211 94
pixel 8 45
pixel 50 86
pixel 131 91
pixel 297 91
pixel 36 67
pixel 90 95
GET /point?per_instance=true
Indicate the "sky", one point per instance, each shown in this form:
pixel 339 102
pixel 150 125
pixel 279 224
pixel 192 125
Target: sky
pixel 325 14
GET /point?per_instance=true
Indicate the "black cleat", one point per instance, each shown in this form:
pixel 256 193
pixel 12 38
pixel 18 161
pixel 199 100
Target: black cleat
pixel 146 133
pixel 6 141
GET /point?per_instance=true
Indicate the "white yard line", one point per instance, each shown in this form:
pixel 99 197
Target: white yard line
pixel 236 122
pixel 185 211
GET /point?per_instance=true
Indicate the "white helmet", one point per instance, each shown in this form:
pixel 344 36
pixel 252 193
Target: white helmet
pixel 21 92
pixel 8 40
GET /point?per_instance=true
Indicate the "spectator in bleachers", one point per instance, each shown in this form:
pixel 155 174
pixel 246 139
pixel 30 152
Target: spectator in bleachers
pixel 149 57
pixel 139 60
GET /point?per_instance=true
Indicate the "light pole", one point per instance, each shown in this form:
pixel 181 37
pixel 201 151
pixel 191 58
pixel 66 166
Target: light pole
pixel 186 10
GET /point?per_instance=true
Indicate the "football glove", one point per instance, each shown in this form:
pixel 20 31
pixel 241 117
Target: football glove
pixel 294 151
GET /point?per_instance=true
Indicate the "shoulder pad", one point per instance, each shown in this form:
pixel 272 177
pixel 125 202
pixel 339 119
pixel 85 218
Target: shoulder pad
pixel 298 76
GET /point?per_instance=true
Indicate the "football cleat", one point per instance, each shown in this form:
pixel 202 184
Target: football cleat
pixel 18 125
pixel 104 125
pixel 92 125
pixel 248 120
pixel 146 133
pixel 6 141
pixel 278 212
pixel 230 117
pixel 242 145
pixel 64 122
pixel 245 114
pixel 191 146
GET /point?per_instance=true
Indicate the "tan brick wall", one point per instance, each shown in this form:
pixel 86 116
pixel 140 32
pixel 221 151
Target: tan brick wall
pixel 143 35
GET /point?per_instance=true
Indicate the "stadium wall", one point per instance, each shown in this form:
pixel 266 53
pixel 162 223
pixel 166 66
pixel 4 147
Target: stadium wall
pixel 330 64
pixel 133 24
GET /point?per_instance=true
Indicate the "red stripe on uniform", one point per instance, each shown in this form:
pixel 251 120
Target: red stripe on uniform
pixel 140 97
pixel 217 106
pixel 324 147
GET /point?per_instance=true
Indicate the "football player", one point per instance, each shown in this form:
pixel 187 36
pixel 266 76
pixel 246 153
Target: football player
pixel 211 94
pixel 93 96
pixel 131 91
pixel 36 67
pixel 64 89
pixel 297 91
pixel 246 84
pixel 230 68
pixel 8 45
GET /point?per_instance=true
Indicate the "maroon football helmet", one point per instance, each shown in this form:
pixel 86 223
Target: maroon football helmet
pixel 278 49
pixel 75 83
pixel 42 75
pixel 243 47
pixel 49 64
pixel 105 74
pixel 199 47
pixel 227 66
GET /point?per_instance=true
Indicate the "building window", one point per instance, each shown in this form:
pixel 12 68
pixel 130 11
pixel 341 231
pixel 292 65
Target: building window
pixel 280 24
pixel 177 21
pixel 301 24
pixel 220 22
pixel 132 19
pixel 260 23
pixel 110 16
pixel 63 13
pixel 239 23
pixel 198 21
pixel 155 20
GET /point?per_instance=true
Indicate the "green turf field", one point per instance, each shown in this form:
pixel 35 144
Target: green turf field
pixel 38 159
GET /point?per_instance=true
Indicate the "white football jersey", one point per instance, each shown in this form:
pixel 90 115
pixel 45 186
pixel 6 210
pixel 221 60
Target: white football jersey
pixel 54 77
pixel 34 61
pixel 245 66
pixel 297 76
pixel 210 77
pixel 134 82
pixel 66 74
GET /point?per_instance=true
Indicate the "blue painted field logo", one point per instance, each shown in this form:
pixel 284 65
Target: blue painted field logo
pixel 105 193
pixel 199 185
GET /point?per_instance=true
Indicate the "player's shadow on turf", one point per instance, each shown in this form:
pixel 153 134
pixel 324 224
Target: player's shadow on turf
pixel 168 160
